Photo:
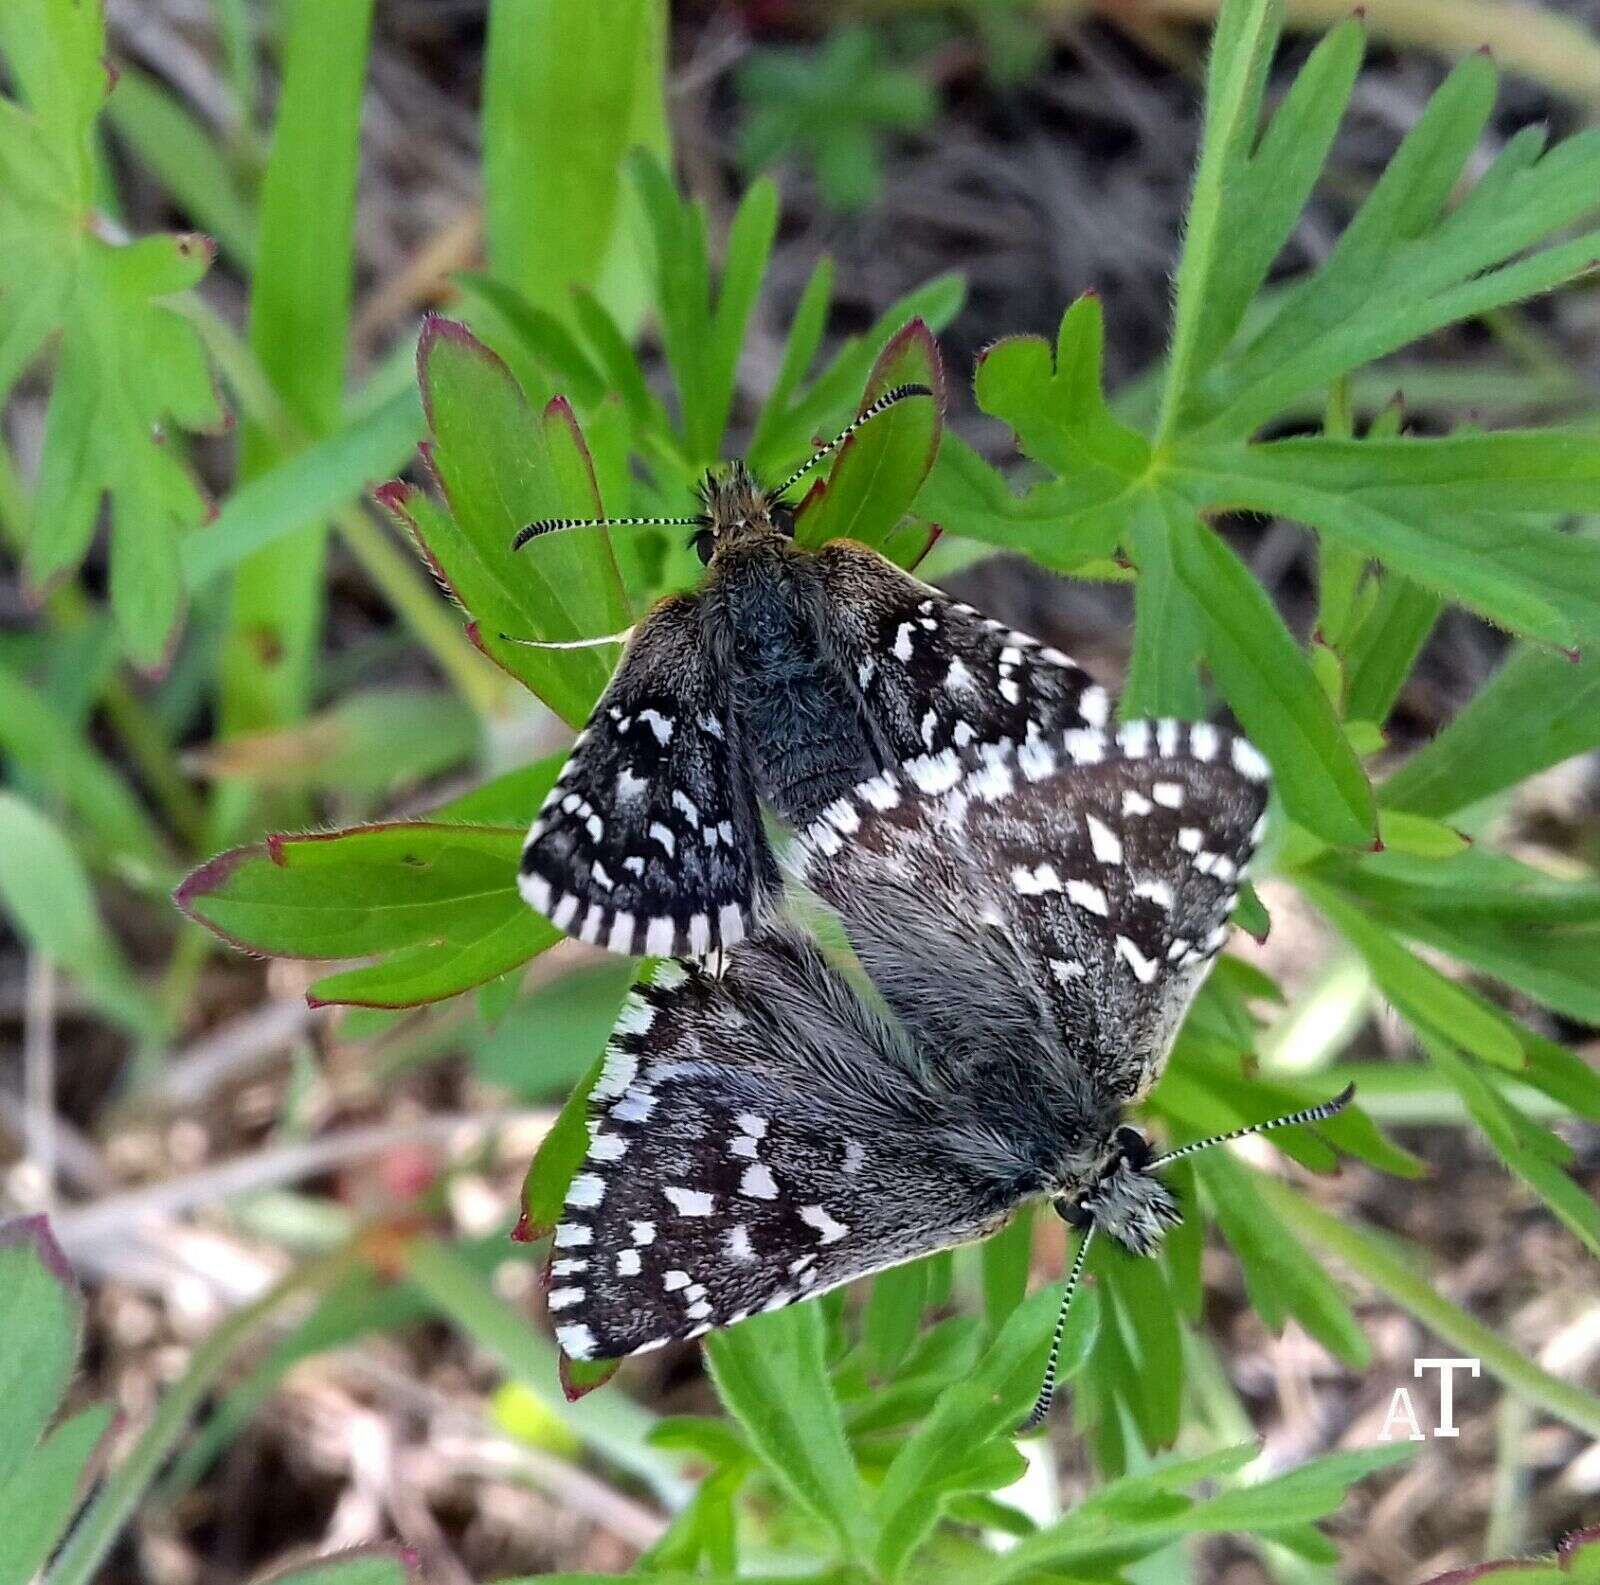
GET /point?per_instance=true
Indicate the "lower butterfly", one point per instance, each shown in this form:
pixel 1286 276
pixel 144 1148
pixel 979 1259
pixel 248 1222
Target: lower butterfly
pixel 1036 922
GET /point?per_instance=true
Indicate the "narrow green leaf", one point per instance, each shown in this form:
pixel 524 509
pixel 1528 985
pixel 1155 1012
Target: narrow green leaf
pixel 755 224
pixel 546 1040
pixel 894 1311
pixel 368 1565
pixel 45 893
pixel 1380 654
pixel 1420 992
pixel 1007 1259
pixel 1536 711
pixel 543 355
pixel 933 1465
pixel 568 91
pixel 1241 49
pixel 1403 1271
pixel 560 1154
pixel 800 345
pixel 1139 1303
pixel 1266 679
pixel 299 319
pixel 1169 629
pixel 39 1498
pixel 771 1374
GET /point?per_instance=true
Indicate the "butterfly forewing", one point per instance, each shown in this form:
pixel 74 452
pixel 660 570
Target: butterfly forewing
pixel 650 840
pixel 936 675
pixel 755 1139
pixel 1084 877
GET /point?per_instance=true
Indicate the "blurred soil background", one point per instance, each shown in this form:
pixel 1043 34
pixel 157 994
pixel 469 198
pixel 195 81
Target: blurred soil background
pixel 1062 173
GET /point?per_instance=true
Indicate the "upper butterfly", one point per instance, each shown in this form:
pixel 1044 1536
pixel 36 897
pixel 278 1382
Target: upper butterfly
pixel 787 678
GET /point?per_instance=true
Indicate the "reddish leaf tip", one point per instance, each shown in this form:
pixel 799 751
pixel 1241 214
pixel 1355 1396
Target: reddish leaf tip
pixel 394 495
pixel 210 877
pixel 571 1389
pixel 1091 295
pixel 1377 846
pixel 1575 655
pixel 527 1231
pixel 35 1230
pixel 1484 50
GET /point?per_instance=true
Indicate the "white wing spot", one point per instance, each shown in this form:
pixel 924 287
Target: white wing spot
pixel 568 1268
pixel 621 1067
pixel 1036 882
pixel 1144 969
pixel 691 1202
pixel 711 726
pixel 855 1153
pixel 730 923
pixel 758 1183
pixel 573 1235
pixel 1135 803
pixel 660 724
pixel 1036 760
pixel 535 891
pixel 607 1147
pixel 629 1263
pixel 1095 705
pixel 1248 760
pixel 699 934
pixel 1106 843
pixel 687 807
pixel 675 1279
pixel 738 1245
pixel 634 1107
pixel 1084 745
pixel 663 835
pixel 958 676
pixel 934 773
pixel 586 1190
pixel 659 936
pixel 633 864
pixel 828 1230
pixel 1167 737
pixel 752 1123
pixel 576 1340
pixel 1189 839
pixel 1169 794
pixel 621 938
pixel 902 641
pixel 563 1298
pixel 1089 897
pixel 1066 970
pixel 880 792
pixel 1155 891
pixel 1204 740
pixel 643 1232
pixel 561 914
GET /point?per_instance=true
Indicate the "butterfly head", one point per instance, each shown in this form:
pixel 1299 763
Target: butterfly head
pixel 736 507
pixel 1125 1199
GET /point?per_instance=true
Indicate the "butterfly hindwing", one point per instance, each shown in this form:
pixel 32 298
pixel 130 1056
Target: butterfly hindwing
pixel 937 676
pixel 650 840
pixel 1083 879
pixel 755 1139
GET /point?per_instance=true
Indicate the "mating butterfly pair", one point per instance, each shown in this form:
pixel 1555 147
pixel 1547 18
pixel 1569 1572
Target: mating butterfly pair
pixel 1035 894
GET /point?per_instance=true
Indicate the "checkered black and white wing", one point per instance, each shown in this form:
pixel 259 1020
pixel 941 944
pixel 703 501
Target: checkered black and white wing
pixel 651 841
pixel 755 1139
pixel 1084 880
pixel 936 676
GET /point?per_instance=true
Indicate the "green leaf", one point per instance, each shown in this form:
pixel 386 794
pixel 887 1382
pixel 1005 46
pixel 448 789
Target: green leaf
pixel 1007 1259
pixel 127 368
pixel 1266 679
pixel 1169 628
pixel 1403 1271
pixel 1380 654
pixel 934 1464
pixel 438 903
pixel 755 224
pixel 894 1311
pixel 47 896
pixel 366 1565
pixel 39 741
pixel 806 326
pixel 1536 711
pixel 547 1039
pixel 877 473
pixel 304 488
pixel 300 294
pixel 771 1374
pixel 1280 1277
pixel 38 1501
pixel 501 468
pixel 1420 992
pixel 41 1318
pixel 1448 513
pixel 1404 267
pixel 568 92
pixel 1058 408
pixel 1531 1152
pixel 560 1154
pixel 1241 50
pixel 185 158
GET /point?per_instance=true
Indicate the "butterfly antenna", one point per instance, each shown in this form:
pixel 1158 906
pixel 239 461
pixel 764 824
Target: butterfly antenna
pixel 1047 1389
pixel 571 643
pixel 1311 1114
pixel 897 393
pixel 557 525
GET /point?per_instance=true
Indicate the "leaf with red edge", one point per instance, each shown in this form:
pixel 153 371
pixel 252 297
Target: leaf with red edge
pixel 436 903
pixel 499 466
pixel 879 470
pixel 580 1376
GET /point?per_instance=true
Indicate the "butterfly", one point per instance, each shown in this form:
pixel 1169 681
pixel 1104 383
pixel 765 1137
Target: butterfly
pixel 786 678
pixel 1036 925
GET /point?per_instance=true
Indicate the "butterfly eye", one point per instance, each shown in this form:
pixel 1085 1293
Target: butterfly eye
pixel 704 543
pixel 1073 1214
pixel 1135 1148
pixel 783 519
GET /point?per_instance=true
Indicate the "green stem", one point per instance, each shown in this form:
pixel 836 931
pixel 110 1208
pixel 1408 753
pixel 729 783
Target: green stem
pixel 1400 1272
pixel 97 1530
